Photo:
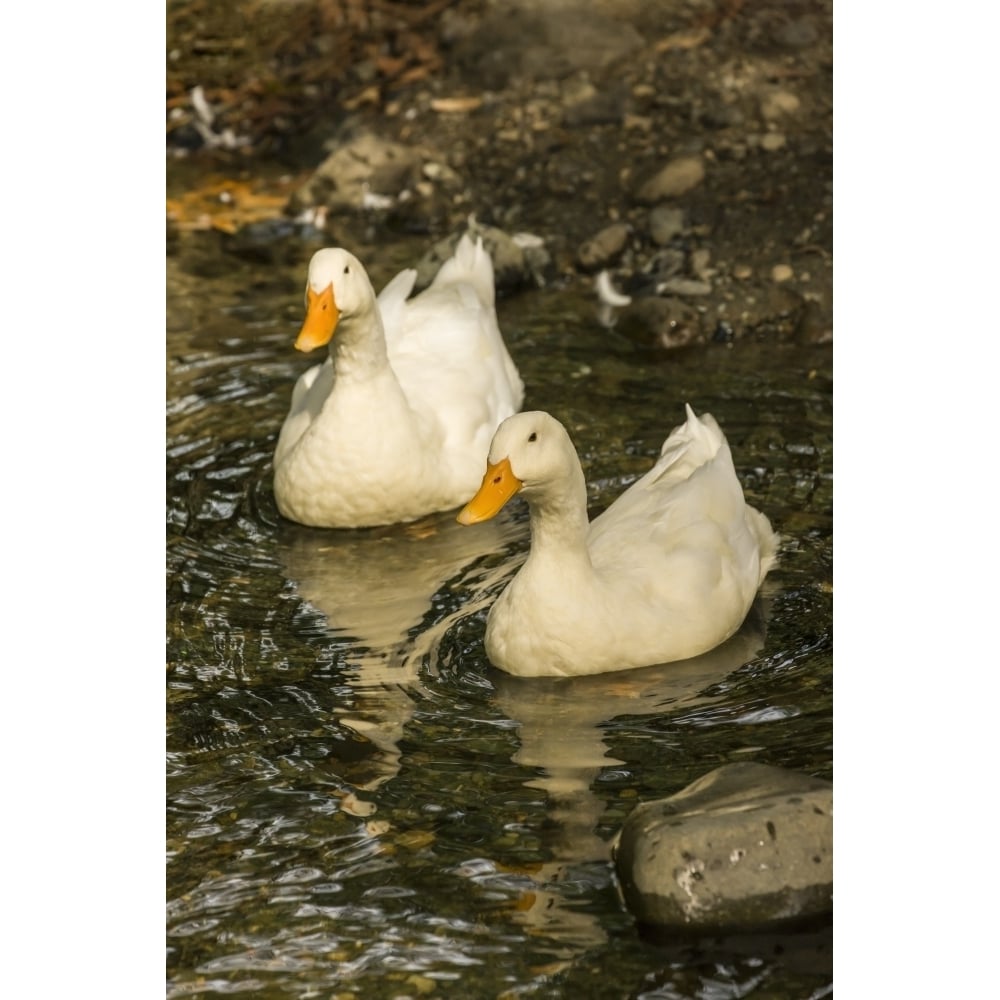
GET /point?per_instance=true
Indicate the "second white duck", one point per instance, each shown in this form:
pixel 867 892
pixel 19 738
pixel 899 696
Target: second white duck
pixel 396 423
pixel 667 572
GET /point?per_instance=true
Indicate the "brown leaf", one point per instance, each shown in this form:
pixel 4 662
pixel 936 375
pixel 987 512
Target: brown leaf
pixel 456 105
pixel 683 40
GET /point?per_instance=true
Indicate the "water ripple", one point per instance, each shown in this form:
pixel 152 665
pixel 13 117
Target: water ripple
pixel 357 802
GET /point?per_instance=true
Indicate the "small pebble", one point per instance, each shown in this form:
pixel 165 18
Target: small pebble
pixel 778 103
pixel 699 263
pixel 773 141
pixel 781 272
pixel 665 223
pixel 604 247
pixel 676 178
pixel 683 286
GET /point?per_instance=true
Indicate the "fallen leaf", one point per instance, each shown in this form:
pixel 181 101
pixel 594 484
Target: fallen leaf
pixel 683 40
pixel 456 105
pixel 225 205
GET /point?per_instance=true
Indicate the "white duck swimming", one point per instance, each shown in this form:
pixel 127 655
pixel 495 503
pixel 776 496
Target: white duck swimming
pixel 667 572
pixel 396 423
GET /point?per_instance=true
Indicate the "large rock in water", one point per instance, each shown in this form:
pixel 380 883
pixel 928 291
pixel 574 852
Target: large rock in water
pixel 359 169
pixel 747 845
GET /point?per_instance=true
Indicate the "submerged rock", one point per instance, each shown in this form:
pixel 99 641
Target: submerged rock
pixel 747 845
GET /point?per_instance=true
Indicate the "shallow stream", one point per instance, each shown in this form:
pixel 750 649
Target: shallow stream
pixel 358 804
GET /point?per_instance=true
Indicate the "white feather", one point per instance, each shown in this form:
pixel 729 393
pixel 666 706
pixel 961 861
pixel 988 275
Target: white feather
pixel 606 291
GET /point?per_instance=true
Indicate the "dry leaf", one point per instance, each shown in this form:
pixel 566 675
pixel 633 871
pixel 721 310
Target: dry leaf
pixel 456 105
pixel 683 40
pixel 224 205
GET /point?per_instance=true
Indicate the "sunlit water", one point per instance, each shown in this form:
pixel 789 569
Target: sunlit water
pixel 359 805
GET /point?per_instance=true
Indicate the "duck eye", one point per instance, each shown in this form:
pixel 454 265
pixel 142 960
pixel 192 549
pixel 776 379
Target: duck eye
pixel 532 436
pixel 347 269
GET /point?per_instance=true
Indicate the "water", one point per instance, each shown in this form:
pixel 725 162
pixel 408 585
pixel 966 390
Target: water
pixel 358 804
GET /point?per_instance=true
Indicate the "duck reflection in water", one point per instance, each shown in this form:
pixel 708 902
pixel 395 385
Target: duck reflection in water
pixel 560 724
pixel 376 587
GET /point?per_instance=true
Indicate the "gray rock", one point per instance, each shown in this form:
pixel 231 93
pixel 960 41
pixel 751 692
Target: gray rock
pixel 699 263
pixel 515 263
pixel 678 177
pixel 603 248
pixel 683 286
pixel 747 845
pixel 665 264
pixel 665 222
pixel 358 170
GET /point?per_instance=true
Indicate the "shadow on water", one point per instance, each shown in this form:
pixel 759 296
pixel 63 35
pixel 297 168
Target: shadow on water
pixel 358 804
pixel 376 589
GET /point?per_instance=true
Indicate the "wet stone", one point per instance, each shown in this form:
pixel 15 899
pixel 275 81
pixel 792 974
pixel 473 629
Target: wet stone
pixel 683 286
pixel 603 248
pixel 362 168
pixel 771 142
pixel 665 223
pixel 678 177
pixel 665 264
pixel 746 845
pixel 776 104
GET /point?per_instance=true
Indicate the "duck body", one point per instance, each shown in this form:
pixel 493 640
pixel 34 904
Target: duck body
pixel 397 421
pixel 667 572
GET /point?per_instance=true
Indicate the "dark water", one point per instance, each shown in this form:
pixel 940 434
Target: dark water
pixel 358 805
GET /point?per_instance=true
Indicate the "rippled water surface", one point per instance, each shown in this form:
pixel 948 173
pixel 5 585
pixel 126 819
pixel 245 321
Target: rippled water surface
pixel 358 804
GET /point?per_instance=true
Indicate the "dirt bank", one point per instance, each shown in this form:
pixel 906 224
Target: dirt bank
pixel 686 147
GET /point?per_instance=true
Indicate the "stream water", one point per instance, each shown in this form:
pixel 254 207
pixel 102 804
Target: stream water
pixel 358 804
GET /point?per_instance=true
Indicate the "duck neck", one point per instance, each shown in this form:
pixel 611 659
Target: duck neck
pixel 559 523
pixel 359 350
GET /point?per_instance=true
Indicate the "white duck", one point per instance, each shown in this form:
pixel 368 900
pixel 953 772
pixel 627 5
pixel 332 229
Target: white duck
pixel 667 572
pixel 397 421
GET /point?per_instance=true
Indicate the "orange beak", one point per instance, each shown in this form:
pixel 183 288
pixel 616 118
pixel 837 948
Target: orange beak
pixel 499 485
pixel 321 319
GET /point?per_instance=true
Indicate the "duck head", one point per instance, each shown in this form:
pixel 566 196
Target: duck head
pixel 337 286
pixel 531 452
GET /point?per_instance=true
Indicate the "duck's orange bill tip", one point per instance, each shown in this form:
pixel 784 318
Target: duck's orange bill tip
pixel 320 322
pixel 499 485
